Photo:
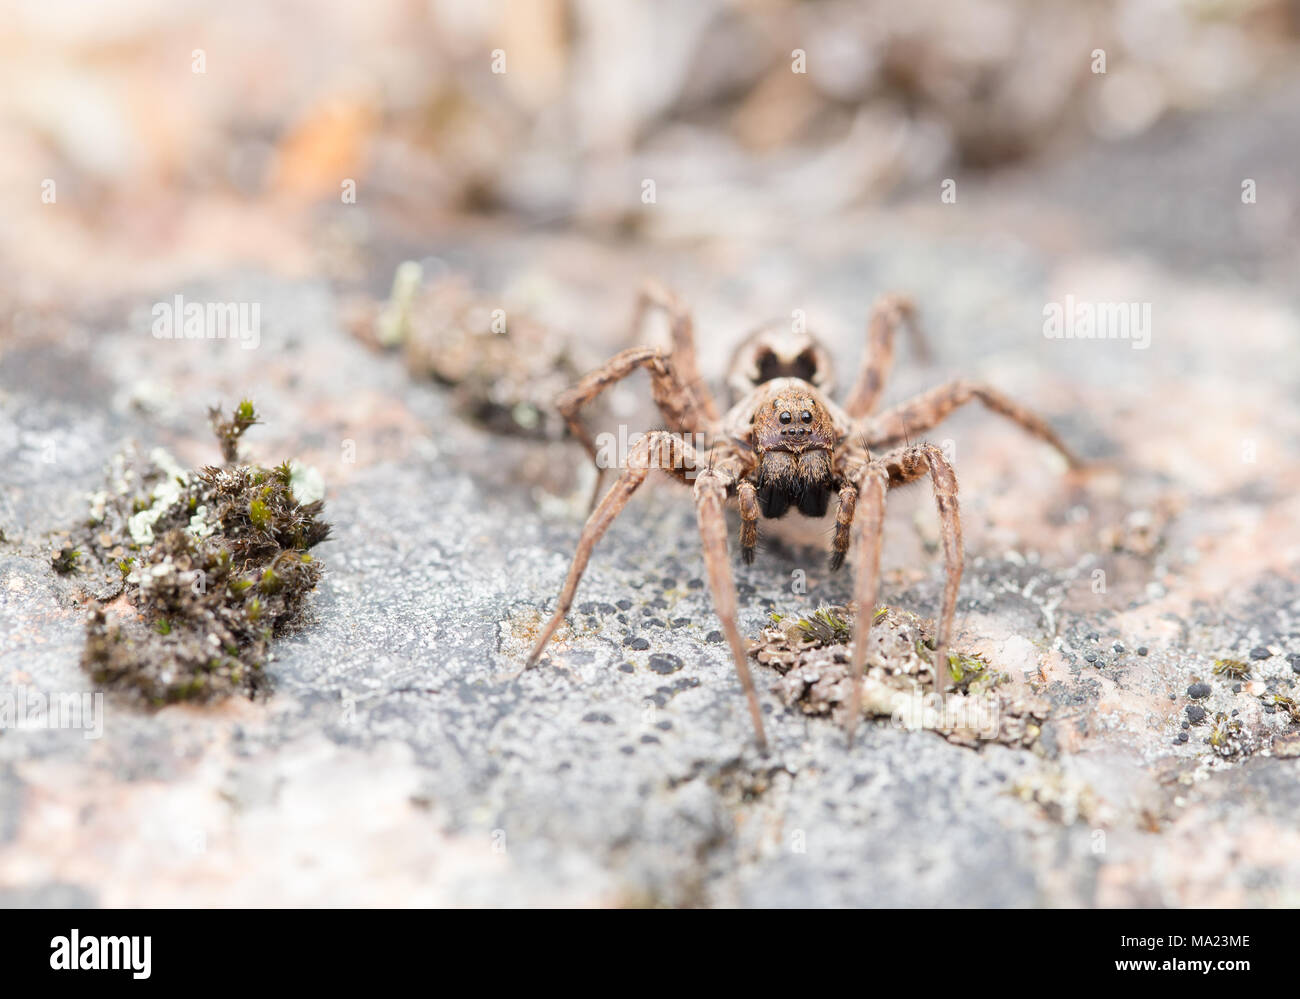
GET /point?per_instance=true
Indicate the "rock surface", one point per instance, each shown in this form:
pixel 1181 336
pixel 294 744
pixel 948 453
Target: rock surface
pixel 401 761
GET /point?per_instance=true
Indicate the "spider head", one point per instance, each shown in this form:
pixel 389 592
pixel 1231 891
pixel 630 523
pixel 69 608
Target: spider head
pixel 793 436
pixel 778 352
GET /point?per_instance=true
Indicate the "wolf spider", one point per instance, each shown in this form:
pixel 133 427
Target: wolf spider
pixel 785 444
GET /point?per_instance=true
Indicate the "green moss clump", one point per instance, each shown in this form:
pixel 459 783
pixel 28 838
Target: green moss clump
pixel 1283 703
pixel 65 560
pixel 825 627
pixel 228 530
pixel 1232 669
pixel 1225 735
pixel 963 668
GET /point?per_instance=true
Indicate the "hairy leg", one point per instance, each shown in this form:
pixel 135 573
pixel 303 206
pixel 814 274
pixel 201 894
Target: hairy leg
pixel 906 465
pixel 887 315
pixel 571 401
pixel 710 504
pixel 747 497
pixel 868 534
pixel 682 329
pixel 932 407
pixel 675 400
pixel 661 449
pixel 843 521
pixel 657 449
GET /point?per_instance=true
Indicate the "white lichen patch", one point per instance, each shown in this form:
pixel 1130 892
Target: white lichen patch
pixel 306 482
pixel 1063 797
pixel 98 506
pixel 164 496
pixel 199 525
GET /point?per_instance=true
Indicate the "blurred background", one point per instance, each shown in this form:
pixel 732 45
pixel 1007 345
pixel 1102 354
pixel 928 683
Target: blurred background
pixel 182 138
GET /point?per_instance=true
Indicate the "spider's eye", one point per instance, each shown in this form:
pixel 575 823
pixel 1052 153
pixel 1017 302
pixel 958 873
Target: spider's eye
pixel 806 416
pixel 786 417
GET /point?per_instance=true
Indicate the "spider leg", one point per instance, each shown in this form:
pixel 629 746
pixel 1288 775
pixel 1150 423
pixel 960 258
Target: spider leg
pixel 868 534
pixel 678 390
pixel 658 449
pixel 682 328
pixel 661 449
pixel 906 465
pixel 843 521
pixel 887 315
pixel 676 401
pixel 932 407
pixel 875 477
pixel 747 497
pixel 710 503
pixel 571 401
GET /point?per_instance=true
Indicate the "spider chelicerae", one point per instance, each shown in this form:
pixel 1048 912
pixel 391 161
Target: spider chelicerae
pixel 785 444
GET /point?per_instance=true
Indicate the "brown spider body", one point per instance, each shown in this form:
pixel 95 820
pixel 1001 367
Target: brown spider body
pixel 789 425
pixel 785 444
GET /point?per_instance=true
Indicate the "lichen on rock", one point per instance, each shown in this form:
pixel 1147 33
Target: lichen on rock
pixel 813 653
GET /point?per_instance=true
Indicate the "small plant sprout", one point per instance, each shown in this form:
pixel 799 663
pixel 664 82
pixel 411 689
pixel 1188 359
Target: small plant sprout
pixel 230 430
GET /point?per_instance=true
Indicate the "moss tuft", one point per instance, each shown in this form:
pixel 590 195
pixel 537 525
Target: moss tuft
pixel 226 530
pixel 1232 669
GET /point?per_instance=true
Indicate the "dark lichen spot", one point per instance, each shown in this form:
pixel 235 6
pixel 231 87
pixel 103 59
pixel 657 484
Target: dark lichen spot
pixel 634 642
pixel 1198 690
pixel 665 663
pixel 599 717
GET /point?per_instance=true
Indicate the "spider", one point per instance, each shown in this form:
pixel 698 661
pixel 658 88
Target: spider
pixel 785 444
